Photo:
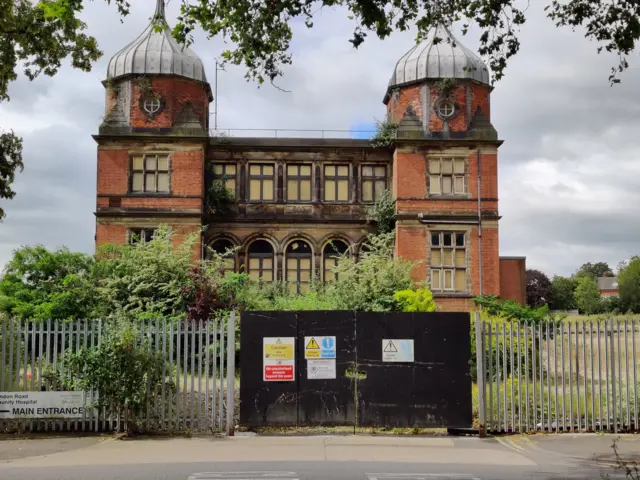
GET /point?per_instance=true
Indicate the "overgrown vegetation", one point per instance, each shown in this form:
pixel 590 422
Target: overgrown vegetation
pixel 124 369
pixel 219 198
pixel 383 213
pixel 385 134
pixel 510 310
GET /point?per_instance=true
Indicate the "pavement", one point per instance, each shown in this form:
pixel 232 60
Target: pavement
pixel 316 457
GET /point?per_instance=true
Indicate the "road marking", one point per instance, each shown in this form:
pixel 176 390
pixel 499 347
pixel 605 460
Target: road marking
pixel 420 476
pixel 505 442
pixel 242 475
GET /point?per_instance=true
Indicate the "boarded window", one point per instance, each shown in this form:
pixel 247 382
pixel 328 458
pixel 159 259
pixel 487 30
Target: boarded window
pixel 336 183
pixel 331 255
pixel 260 261
pixel 227 173
pixel 299 266
pixel 261 182
pixel 224 248
pixel 448 261
pixel 299 183
pixel 150 173
pixel 447 176
pixel 373 181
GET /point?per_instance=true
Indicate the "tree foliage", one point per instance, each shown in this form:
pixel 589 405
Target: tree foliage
pixel 594 270
pixel 562 289
pixel 42 284
pixel 629 286
pixel 587 296
pixel 10 163
pixel 538 288
pixel 510 310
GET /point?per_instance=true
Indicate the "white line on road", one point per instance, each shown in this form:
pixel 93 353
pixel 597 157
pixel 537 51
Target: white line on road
pixel 419 476
pixel 242 475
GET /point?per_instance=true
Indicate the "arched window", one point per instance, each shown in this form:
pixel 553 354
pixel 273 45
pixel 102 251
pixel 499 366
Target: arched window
pixel 330 257
pixel 299 258
pixel 224 247
pixel 261 261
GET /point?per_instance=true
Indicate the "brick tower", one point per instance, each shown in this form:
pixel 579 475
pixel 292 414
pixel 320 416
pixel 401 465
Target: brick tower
pixel 152 142
pixel 445 169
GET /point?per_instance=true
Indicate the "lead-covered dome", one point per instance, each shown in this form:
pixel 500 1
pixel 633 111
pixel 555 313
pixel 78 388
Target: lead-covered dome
pixel 447 58
pixel 156 53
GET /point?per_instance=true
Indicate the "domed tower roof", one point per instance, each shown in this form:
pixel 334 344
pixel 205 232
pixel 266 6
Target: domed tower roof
pixel 156 53
pixel 446 59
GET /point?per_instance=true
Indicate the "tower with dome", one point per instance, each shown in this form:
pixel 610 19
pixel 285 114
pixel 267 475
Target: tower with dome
pixel 300 203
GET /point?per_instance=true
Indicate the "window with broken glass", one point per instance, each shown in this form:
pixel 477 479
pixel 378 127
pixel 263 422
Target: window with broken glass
pixel 448 262
pixel 150 173
pixel 447 176
pixel 226 172
pixel 137 235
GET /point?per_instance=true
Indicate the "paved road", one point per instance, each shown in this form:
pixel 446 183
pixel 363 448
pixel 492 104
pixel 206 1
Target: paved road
pixel 322 458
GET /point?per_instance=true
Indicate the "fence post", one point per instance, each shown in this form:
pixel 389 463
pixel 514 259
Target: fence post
pixel 480 374
pixel 231 371
pixel 613 377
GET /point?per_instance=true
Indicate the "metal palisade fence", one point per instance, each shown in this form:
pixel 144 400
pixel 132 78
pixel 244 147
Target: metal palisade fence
pixel 558 377
pixel 197 391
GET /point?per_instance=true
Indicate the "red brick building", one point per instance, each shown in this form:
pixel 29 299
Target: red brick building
pixel 299 202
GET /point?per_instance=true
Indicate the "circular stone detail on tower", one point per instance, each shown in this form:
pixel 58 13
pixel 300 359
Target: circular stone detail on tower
pixel 151 104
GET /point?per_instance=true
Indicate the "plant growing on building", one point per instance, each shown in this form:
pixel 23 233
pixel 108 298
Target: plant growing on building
pixel 383 213
pixel 445 86
pixel 112 87
pixel 219 198
pixel 385 134
pixel 144 85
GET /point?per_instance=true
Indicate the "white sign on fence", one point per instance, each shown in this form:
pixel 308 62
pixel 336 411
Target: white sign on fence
pixel 42 404
pixel 323 369
pixel 395 350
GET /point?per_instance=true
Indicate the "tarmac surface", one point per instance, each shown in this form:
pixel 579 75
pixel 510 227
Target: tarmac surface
pixel 554 457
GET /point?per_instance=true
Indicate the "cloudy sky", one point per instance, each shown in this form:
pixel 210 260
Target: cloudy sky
pixel 569 167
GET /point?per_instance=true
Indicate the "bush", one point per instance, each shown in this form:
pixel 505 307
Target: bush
pixel 510 310
pixel 420 300
pixel 123 369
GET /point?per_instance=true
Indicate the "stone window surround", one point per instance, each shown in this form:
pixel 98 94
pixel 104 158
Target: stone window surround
pixel 457 154
pixel 144 154
pixel 467 230
pixel 317 179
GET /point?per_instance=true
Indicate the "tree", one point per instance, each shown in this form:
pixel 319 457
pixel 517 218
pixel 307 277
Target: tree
pixel 629 286
pixel 587 296
pixel 39 35
pixel 10 163
pixel 594 270
pixel 562 289
pixel 538 288
pixel 40 284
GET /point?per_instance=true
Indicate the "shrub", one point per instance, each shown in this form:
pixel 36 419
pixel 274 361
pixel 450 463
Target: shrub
pixel 123 369
pixel 420 300
pixel 510 310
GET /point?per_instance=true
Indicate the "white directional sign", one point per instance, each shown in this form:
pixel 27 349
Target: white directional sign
pixel 42 404
pixel 397 350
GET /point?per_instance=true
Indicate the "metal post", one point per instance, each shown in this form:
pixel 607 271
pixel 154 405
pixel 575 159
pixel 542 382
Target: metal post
pixel 613 379
pixel 231 371
pixel 480 373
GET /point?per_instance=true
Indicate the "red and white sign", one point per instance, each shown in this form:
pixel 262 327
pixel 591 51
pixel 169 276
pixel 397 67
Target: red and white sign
pixel 275 373
pixel 278 359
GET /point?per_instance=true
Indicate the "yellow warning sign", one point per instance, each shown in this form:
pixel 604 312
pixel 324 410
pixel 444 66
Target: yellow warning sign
pixel 313 345
pixel 278 351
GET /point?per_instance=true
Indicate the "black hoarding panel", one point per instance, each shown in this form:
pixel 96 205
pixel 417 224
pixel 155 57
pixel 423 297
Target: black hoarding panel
pixel 432 391
pixel 262 402
pixel 323 400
